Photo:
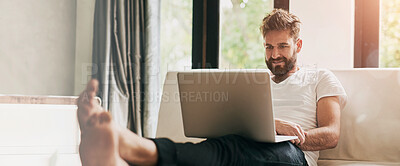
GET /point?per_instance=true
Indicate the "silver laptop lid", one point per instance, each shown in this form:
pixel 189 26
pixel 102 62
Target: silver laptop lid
pixel 219 102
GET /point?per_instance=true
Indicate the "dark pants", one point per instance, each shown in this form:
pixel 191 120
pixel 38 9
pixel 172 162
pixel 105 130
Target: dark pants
pixel 228 150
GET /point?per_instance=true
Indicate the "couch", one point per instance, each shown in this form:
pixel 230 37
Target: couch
pixel 370 122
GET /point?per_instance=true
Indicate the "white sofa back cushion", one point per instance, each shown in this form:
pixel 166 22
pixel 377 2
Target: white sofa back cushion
pixel 170 124
pixel 370 122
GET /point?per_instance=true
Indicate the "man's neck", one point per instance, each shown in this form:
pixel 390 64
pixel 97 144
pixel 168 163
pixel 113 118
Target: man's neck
pixel 279 78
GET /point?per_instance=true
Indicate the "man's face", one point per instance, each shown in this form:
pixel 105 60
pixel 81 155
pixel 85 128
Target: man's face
pixel 281 51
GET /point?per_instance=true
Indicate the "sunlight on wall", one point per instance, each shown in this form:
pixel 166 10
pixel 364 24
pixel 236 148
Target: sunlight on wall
pixel 327 32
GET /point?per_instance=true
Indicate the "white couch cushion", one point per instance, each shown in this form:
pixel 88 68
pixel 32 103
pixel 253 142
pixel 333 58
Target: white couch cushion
pixel 371 119
pixel 354 163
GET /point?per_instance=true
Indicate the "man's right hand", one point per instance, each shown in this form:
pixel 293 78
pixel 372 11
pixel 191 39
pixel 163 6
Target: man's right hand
pixel 290 129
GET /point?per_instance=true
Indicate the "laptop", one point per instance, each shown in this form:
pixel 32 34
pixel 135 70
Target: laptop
pixel 216 102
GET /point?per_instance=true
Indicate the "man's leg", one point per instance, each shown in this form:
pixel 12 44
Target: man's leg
pixel 227 150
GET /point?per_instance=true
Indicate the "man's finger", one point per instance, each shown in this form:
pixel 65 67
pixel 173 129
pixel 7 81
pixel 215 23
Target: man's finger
pixel 302 137
pixel 304 140
pixel 299 135
pixel 297 141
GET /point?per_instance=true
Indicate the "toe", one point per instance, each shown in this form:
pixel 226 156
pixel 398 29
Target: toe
pixel 89 93
pixel 93 120
pixel 93 85
pixel 104 117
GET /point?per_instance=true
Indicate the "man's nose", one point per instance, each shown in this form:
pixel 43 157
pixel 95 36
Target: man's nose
pixel 275 53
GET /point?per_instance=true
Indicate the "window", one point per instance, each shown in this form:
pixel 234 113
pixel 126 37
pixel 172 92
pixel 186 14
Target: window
pixel 377 33
pixel 389 39
pixel 176 35
pixel 376 40
pixel 241 43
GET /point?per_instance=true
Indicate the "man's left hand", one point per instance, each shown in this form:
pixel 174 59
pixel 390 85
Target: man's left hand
pixel 291 129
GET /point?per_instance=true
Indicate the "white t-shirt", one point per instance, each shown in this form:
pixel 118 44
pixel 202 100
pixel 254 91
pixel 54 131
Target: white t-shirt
pixel 295 99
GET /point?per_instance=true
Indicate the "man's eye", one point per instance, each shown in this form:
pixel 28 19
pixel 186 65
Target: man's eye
pixel 269 47
pixel 283 46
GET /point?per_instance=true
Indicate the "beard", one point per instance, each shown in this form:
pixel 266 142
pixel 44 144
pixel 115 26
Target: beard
pixel 279 70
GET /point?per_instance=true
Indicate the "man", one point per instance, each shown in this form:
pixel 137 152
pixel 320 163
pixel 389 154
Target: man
pixel 307 104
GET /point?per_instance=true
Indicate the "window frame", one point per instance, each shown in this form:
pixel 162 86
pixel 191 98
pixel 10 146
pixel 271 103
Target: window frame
pixel 366 34
pixel 205 40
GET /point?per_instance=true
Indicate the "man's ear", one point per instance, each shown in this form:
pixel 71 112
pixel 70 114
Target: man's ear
pixel 299 44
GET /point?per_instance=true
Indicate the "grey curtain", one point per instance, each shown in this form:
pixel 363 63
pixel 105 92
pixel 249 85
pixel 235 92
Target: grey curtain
pixel 126 61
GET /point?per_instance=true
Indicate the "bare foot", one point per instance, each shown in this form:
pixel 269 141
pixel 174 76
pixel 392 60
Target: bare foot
pixel 131 147
pixel 99 142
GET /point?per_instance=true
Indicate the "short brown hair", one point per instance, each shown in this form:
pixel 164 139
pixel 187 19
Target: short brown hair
pixel 280 20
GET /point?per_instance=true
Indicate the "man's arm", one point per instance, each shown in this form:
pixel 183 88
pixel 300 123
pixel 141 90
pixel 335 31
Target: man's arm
pixel 326 135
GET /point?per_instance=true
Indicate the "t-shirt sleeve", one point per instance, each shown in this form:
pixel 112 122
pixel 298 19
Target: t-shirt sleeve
pixel 329 85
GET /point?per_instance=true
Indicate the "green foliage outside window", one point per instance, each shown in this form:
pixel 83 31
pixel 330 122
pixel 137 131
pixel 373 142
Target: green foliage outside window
pixel 389 49
pixel 241 40
pixel 176 35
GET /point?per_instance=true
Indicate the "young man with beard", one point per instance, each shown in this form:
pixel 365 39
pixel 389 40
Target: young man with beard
pixel 307 104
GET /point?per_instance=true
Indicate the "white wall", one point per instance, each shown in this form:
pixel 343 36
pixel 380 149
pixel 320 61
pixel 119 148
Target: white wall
pixel 84 38
pixel 327 32
pixel 37 47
